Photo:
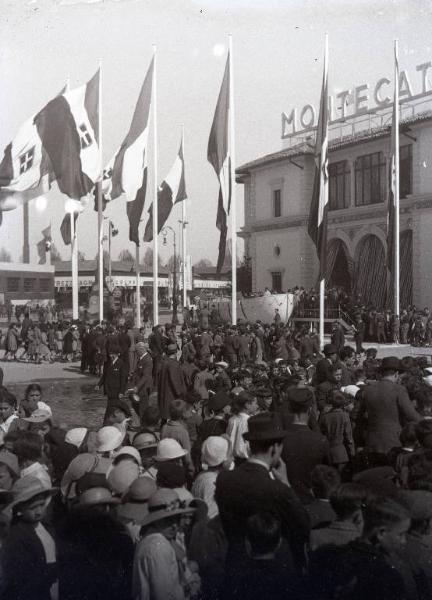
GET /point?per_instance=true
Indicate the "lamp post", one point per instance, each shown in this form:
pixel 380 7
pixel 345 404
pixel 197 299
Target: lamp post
pixel 174 295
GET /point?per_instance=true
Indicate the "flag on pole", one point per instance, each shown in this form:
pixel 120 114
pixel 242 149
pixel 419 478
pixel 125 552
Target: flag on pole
pixel 69 129
pixel 65 228
pixel 218 155
pixel 44 245
pixel 126 172
pixel 171 191
pixel 394 174
pixel 317 226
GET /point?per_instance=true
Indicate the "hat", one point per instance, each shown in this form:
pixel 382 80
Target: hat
pixel 169 449
pixel 300 396
pixel 27 487
pixel 108 438
pixel 218 401
pixel 38 416
pixel 419 504
pixel 122 475
pixel 330 349
pixel 171 475
pixel 76 436
pixel 144 440
pixel 162 504
pixel 122 405
pixel 222 364
pixel 214 450
pixel 378 479
pixel 128 451
pixel 264 427
pixel 134 502
pixel 91 480
pixel 95 496
pixel 391 363
pixel 10 460
pixel 81 464
pixel 350 390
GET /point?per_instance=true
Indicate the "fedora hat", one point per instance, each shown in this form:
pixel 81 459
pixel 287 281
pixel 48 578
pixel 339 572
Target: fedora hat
pixel 330 349
pixel 390 363
pixel 162 504
pixel 264 427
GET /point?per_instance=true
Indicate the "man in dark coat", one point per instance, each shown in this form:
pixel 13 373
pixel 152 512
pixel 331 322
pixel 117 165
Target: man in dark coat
pixel 231 347
pixel 261 484
pixel 157 349
pixel 142 377
pixel 114 376
pixel 303 449
pixel 124 343
pixel 338 336
pixel 324 367
pixel 171 381
pixel 388 409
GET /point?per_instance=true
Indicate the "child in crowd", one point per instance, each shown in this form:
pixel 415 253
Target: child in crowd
pixel 335 424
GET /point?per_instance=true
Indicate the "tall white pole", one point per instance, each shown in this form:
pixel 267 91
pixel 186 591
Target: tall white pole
pixel 233 208
pixel 155 199
pixel 99 197
pixel 396 186
pixel 184 254
pixel 137 288
pixel 324 194
pixel 74 261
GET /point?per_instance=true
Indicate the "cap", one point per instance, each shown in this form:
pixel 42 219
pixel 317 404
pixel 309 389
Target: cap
pixel 214 450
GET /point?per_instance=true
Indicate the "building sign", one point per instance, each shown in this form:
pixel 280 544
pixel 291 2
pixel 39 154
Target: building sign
pixel 66 282
pixel 360 100
pixel 210 284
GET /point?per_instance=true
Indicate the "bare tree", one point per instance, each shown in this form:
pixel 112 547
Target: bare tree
pixel 148 259
pixel 126 256
pixel 5 256
pixel 203 263
pixel 55 254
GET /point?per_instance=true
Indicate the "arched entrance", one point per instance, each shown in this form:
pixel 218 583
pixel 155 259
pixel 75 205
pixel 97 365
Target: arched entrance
pixel 406 268
pixel 370 271
pixel 339 270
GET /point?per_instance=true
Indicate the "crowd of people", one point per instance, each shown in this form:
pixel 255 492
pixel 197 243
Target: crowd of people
pixel 232 462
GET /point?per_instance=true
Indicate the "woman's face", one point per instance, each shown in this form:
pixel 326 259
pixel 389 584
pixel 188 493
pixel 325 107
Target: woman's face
pixel 32 399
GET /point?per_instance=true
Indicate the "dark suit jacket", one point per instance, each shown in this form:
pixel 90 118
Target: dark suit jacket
pixel 143 375
pixel 250 489
pixel 171 384
pixel 114 378
pixel 324 371
pixel 388 409
pixel 303 449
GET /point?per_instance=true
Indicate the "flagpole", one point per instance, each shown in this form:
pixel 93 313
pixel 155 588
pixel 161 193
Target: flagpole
pixel 233 207
pixel 99 203
pixel 155 199
pixel 184 235
pixel 324 194
pixel 74 261
pixel 137 287
pixel 396 186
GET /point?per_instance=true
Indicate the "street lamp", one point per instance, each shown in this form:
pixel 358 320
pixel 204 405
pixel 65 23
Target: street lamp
pixel 174 295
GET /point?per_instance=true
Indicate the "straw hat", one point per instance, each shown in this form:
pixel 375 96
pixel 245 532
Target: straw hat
pixel 169 449
pixel 108 438
pixel 28 487
pixel 163 504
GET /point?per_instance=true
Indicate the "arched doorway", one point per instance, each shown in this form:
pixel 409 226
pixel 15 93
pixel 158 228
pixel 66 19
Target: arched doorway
pixel 406 268
pixel 370 271
pixel 339 270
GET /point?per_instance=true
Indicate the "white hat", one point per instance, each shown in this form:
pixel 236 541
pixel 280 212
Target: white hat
pixel 108 438
pixel 214 450
pixel 38 416
pixel 76 436
pixel 222 363
pixel 351 390
pixel 122 476
pixel 128 451
pixel 169 449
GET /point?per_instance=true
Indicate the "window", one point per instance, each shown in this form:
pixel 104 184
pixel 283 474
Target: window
pixel 277 207
pixel 277 250
pixel 29 284
pixel 276 281
pixel 339 185
pixel 13 284
pixel 44 285
pixel 370 179
pixel 405 170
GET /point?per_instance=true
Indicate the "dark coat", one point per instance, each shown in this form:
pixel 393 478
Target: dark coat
pixel 114 378
pixel 303 449
pixel 388 409
pixel 338 338
pixel 323 372
pixel 336 426
pixel 26 574
pixel 249 489
pixel 143 375
pixel 171 384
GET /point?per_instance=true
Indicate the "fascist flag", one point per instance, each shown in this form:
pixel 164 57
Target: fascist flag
pixel 127 170
pixel 69 129
pixel 394 175
pixel 317 226
pixel 218 155
pixel 44 245
pixel 171 191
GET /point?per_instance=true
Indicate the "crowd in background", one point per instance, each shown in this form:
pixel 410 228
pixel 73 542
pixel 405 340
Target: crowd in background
pixel 231 462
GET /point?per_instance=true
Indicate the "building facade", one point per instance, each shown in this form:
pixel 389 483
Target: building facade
pixel 277 197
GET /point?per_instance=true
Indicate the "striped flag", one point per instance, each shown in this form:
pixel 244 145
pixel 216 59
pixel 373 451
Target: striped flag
pixel 317 226
pixel 127 170
pixel 171 191
pixel 218 155
pixel 68 127
pixel 394 175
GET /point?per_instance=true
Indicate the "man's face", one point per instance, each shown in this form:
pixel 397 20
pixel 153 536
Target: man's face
pixel 394 538
pixel 338 375
pixel 33 511
pixel 252 407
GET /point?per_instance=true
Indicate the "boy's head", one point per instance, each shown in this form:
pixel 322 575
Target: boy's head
pixel 177 409
pixel 151 416
pixel 386 523
pixel 28 448
pixel 346 501
pixel 263 535
pixel 117 412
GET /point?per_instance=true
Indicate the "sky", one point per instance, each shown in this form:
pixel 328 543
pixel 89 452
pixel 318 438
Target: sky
pixel 277 58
